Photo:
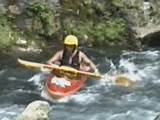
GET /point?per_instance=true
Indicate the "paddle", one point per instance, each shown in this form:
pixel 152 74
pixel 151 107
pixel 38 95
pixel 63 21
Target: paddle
pixel 124 81
pixel 62 68
pixel 119 80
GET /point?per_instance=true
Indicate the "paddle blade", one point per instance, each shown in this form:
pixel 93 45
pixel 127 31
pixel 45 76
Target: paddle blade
pixel 32 66
pixel 123 81
pixel 36 65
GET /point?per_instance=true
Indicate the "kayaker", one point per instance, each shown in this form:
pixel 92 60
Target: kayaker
pixel 71 56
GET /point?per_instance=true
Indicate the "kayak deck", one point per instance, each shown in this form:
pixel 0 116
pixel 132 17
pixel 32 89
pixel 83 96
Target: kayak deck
pixel 57 92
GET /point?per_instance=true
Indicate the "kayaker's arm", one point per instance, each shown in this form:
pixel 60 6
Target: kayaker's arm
pixel 55 59
pixel 87 61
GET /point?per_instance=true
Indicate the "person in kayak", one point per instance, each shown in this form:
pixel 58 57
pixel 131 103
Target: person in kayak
pixel 71 56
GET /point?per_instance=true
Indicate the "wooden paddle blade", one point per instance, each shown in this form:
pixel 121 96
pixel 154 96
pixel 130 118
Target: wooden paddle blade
pixel 36 65
pixel 123 81
pixel 30 64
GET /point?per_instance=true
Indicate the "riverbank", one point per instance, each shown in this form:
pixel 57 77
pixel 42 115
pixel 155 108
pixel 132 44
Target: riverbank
pixel 37 25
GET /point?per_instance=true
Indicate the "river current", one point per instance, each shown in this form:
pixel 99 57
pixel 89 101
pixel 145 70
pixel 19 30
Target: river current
pixel 99 100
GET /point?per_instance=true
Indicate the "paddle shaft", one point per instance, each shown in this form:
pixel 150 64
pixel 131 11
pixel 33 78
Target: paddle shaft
pixel 39 65
pixel 120 80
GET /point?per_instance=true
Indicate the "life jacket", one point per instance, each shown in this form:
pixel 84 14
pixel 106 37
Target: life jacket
pixel 66 60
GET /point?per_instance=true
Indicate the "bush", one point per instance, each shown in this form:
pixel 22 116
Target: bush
pixel 7 36
pixel 43 18
pixel 99 33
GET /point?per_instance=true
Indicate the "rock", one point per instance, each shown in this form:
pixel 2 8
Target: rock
pixel 21 41
pixel 14 9
pixel 37 110
pixel 149 29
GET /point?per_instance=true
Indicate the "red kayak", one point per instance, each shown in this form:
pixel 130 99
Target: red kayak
pixel 75 77
pixel 56 91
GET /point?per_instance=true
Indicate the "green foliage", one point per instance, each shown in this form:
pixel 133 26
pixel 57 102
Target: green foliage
pixel 84 9
pixel 43 18
pixel 118 3
pixel 97 22
pixel 101 33
pixel 7 36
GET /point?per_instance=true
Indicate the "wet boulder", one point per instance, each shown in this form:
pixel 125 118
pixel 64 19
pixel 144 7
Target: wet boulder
pixel 37 110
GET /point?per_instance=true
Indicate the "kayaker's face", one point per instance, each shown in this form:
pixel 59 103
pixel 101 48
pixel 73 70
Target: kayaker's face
pixel 70 48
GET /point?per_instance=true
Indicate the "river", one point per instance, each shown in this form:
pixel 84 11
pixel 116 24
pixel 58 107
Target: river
pixel 99 100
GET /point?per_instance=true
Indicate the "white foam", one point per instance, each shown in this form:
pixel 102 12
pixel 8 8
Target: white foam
pixel 5 118
pixel 134 114
pixel 12 78
pixel 2 71
pixel 37 80
pixel 84 98
pixel 131 70
pixel 156 81
pixel 10 112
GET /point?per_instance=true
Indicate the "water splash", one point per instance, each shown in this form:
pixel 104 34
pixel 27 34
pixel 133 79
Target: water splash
pixel 84 98
pixel 38 80
pixel 130 69
pixel 10 112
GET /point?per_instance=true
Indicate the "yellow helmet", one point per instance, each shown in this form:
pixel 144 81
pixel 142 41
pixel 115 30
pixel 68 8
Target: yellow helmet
pixel 71 40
